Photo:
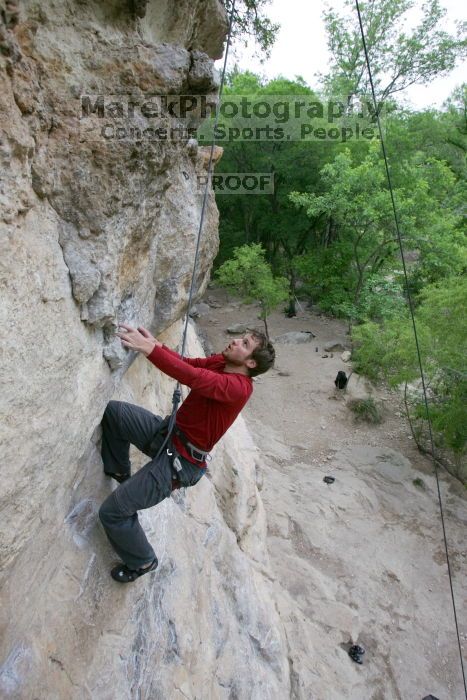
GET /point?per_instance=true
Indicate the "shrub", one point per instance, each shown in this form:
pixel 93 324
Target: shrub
pixel 365 410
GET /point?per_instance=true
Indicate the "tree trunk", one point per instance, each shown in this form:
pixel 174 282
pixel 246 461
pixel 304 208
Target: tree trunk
pixel 292 311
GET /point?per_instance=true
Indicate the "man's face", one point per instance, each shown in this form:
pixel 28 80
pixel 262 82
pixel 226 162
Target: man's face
pixel 239 351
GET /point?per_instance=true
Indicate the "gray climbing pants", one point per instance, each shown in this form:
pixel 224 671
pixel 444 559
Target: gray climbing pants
pixel 124 424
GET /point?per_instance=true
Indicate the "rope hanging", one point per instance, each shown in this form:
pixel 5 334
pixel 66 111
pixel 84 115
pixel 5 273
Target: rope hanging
pixel 409 298
pixel 177 395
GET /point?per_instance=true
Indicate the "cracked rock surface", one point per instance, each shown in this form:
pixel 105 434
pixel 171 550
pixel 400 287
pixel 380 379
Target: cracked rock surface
pixel 93 232
pixel 204 625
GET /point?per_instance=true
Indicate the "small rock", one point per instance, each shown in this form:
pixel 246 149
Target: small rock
pixel 336 345
pixel 115 354
pixel 237 328
pixel 202 75
pixel 192 148
pixel 346 355
pixel 200 309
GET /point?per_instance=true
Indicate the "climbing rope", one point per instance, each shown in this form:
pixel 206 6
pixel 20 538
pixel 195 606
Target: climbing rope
pixel 177 392
pixel 410 303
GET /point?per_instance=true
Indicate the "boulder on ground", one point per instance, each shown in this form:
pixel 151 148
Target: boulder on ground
pixel 346 355
pixel 358 387
pixel 295 337
pixel 200 309
pixel 237 328
pixel 335 345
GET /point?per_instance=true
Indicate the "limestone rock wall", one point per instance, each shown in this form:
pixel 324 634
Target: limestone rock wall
pixel 94 233
pixel 203 626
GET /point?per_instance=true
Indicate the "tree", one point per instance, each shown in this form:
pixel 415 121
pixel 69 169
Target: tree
pixel 249 276
pixel 357 201
pixel 388 352
pixel 398 58
pixel 284 232
pixel 249 20
pixel 440 134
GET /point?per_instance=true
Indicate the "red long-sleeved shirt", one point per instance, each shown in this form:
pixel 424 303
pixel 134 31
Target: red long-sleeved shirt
pixel 215 400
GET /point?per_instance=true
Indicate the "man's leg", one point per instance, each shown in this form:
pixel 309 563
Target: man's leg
pixel 122 424
pixel 119 516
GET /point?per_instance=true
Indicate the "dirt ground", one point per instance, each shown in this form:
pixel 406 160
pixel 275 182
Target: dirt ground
pixel 361 560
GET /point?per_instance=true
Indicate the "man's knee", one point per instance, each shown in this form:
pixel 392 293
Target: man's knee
pixel 110 511
pixel 111 410
pixel 112 418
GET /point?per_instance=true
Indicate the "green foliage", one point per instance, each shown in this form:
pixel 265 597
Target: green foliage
pixel 385 351
pixel 328 226
pixel 365 410
pixel 271 219
pixel 249 20
pixel 442 310
pixel 362 259
pixel 382 298
pixel 389 352
pixel 398 57
pixel 249 276
pixel 328 279
pixel 417 136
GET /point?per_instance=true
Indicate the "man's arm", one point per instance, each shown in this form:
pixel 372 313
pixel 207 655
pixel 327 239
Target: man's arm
pixel 196 361
pixel 141 340
pixel 227 388
pixel 221 387
pixel 138 339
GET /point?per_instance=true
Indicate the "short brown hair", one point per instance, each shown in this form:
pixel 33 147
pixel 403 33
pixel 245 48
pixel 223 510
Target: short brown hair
pixel 263 354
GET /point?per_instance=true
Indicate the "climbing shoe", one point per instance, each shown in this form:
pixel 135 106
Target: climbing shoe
pixel 118 477
pixel 123 574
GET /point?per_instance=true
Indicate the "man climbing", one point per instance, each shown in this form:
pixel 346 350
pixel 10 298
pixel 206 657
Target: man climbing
pixel 220 387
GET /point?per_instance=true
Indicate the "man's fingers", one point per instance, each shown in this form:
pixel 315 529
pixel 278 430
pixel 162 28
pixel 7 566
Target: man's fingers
pixel 144 331
pixel 126 327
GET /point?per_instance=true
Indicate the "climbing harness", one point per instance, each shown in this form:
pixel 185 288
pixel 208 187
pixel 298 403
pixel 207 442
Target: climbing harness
pixel 196 453
pixel 409 298
pixel 177 395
